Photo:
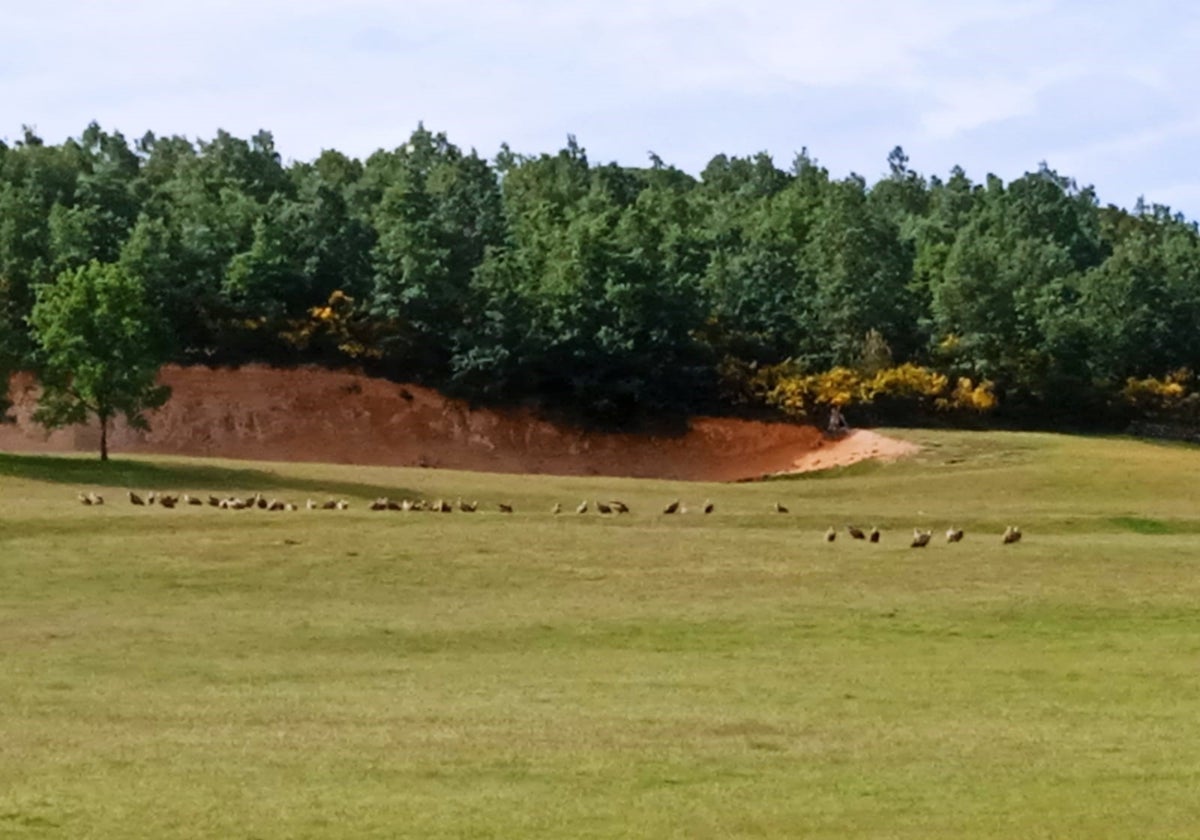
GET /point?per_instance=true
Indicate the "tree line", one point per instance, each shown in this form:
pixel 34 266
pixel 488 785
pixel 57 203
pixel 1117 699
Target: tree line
pixel 614 295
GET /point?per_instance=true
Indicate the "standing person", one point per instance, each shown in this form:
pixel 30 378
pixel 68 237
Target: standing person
pixel 837 422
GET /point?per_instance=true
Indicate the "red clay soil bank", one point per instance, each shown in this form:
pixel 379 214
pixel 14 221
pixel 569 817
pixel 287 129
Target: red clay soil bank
pixel 312 414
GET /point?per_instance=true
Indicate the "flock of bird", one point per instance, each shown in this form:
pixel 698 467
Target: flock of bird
pixel 168 500
pixel 921 537
pixel 614 507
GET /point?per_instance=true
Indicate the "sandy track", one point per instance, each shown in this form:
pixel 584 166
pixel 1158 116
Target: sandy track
pixel 313 414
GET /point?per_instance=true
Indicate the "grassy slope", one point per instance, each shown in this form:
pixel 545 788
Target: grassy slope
pixel 215 673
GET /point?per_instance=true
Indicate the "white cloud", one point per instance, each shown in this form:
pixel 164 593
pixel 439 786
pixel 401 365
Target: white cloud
pixel 1129 144
pixel 1176 196
pixel 1006 83
pixel 969 103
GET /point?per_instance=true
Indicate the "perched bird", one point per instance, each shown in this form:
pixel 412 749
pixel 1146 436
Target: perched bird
pixel 831 534
pixel 618 506
pixel 276 504
pixel 379 504
pixel 673 507
pixel 289 506
pixel 342 504
pixel 192 500
pixel 583 507
pixel 260 501
pixel 214 501
pixel 603 508
pixel 874 535
pixel 84 498
pixel 392 504
pixel 135 499
pixel 954 535
pixel 96 498
pixel 310 505
pixel 505 507
pixel 168 501
pixel 921 538
pixel 467 507
pixel 855 532
pixel 1012 534
pixel 780 508
pixel 709 507
pixel 329 504
pixel 150 497
pixel 557 509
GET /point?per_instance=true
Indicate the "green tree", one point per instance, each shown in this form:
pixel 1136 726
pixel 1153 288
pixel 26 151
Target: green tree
pixel 439 211
pixel 99 349
pixel 1009 285
pixel 860 272
pixel 1143 302
pixel 8 341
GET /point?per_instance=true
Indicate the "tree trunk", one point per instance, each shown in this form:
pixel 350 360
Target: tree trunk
pixel 103 437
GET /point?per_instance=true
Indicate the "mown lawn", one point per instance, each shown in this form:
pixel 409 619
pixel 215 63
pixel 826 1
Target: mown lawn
pixel 209 673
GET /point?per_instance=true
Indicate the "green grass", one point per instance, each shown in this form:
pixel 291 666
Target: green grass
pixel 206 673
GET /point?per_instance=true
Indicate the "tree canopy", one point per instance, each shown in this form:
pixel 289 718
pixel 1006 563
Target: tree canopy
pixel 99 346
pixel 616 294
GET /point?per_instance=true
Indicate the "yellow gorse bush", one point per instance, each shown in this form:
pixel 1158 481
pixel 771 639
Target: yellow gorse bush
pixel 336 321
pixel 908 380
pixel 803 395
pixel 967 396
pixel 1152 394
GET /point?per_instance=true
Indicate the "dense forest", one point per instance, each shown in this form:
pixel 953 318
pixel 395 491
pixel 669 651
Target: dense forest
pixel 619 295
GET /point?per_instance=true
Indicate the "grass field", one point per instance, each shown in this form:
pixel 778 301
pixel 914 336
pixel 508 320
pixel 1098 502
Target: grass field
pixel 209 673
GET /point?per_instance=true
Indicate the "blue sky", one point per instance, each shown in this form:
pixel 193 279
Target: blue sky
pixel 1104 92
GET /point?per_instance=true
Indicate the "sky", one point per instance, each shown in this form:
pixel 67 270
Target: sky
pixel 1104 92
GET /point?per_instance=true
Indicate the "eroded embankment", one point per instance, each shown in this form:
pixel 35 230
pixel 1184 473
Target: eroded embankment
pixel 313 414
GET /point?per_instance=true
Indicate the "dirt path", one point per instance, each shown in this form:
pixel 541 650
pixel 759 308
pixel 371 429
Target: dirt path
pixel 313 414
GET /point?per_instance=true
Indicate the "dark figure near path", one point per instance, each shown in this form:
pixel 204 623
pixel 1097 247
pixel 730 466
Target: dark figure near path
pixel 837 422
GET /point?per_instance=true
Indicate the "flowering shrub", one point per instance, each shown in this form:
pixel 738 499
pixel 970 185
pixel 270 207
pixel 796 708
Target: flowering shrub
pixel 967 396
pixel 1168 398
pixel 808 395
pixel 336 323
pixel 908 381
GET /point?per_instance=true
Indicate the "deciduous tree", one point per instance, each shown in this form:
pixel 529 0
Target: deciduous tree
pixel 99 348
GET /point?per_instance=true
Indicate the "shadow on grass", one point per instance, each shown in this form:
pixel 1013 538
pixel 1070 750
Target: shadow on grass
pixel 1144 525
pixel 855 470
pixel 151 476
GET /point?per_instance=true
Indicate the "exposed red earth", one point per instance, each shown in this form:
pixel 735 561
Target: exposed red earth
pixel 314 414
